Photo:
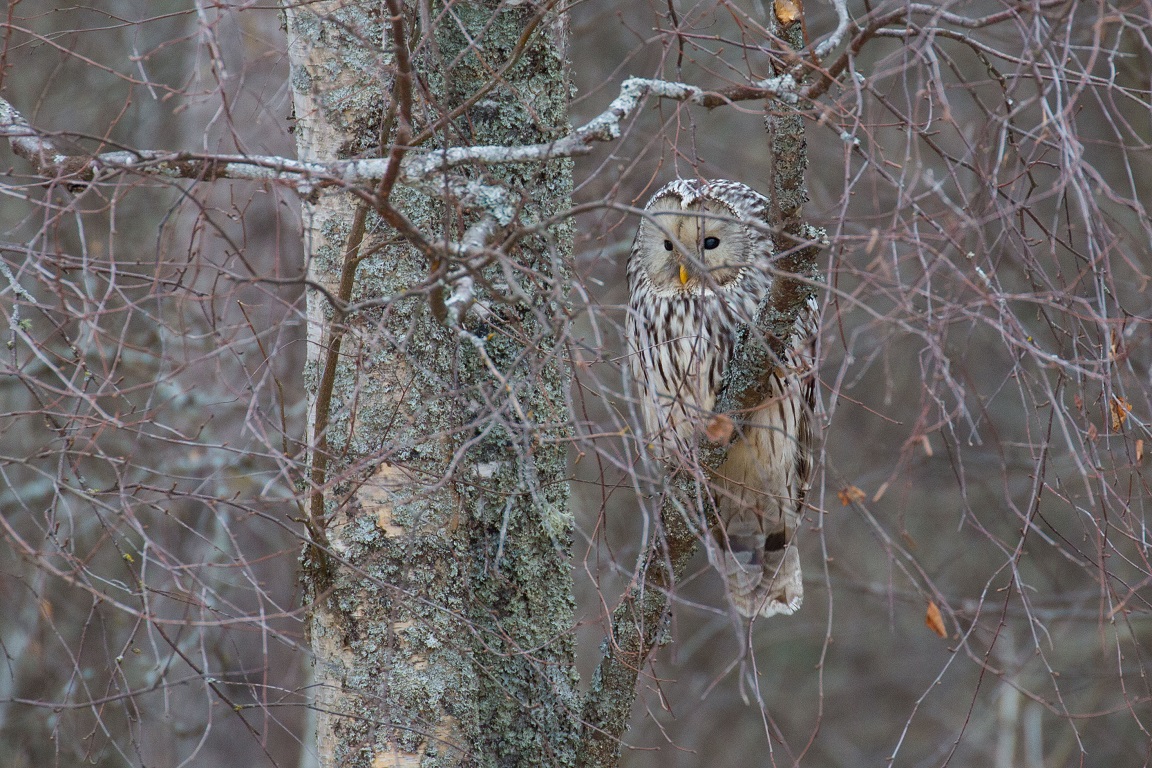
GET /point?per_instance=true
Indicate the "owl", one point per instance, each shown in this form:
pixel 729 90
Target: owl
pixel 699 267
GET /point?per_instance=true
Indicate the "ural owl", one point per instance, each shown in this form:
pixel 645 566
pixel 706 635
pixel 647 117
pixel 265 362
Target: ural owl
pixel 697 271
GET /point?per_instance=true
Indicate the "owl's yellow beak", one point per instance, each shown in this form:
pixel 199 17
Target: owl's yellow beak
pixel 683 275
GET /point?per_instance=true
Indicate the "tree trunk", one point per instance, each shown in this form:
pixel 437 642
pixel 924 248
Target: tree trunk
pixel 439 578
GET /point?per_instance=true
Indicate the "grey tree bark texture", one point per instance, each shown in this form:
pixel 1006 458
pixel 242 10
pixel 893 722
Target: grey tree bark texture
pixel 439 577
pixel 442 610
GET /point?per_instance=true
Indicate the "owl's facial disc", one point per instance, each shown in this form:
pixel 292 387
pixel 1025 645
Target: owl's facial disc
pixel 684 249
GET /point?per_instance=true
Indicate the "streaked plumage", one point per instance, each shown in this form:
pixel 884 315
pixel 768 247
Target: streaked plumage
pixel 696 273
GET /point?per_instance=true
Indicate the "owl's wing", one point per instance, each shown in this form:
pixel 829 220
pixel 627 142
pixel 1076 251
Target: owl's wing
pixel 762 485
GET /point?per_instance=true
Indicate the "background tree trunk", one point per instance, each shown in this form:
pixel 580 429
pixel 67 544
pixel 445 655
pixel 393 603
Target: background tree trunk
pixel 442 597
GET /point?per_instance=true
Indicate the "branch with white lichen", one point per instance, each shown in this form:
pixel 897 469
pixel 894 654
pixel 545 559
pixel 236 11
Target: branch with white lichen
pixel 417 169
pixel 842 23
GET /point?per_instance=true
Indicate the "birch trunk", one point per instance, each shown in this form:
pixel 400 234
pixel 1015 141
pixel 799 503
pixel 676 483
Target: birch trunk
pixel 440 581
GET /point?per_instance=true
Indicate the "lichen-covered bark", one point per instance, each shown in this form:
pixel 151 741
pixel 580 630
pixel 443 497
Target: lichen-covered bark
pixel 440 584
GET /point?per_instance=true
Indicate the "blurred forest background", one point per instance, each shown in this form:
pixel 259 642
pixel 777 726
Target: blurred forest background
pixel 985 379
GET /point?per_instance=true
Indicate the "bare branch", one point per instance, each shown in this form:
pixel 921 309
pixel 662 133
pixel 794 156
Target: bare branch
pixel 842 24
pixel 417 169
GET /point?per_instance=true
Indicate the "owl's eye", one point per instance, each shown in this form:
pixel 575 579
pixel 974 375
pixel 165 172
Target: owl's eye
pixel 711 242
pixel 667 245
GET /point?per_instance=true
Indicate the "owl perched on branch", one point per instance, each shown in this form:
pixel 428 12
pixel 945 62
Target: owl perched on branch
pixel 700 266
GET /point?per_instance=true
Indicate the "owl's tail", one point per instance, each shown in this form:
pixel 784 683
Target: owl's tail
pixel 762 581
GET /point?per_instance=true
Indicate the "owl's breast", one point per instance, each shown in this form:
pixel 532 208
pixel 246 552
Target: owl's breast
pixel 682 346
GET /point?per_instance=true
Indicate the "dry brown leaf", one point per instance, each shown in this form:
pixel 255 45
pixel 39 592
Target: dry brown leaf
pixel 1120 411
pixel 1092 433
pixel 1116 346
pixel 788 11
pixel 720 429
pixel 934 621
pixel 1139 450
pixel 850 495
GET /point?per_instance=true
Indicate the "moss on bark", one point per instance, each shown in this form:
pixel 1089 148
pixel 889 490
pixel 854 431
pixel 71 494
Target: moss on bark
pixel 443 635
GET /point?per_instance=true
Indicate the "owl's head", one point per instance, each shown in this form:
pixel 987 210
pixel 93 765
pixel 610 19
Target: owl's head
pixel 696 235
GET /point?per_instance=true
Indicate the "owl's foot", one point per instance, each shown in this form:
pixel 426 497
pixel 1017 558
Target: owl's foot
pixel 764 583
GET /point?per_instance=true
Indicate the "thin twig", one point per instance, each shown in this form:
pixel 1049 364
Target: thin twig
pixel 316 521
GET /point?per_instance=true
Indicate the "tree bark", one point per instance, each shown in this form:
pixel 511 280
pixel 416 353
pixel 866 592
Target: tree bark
pixel 438 575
